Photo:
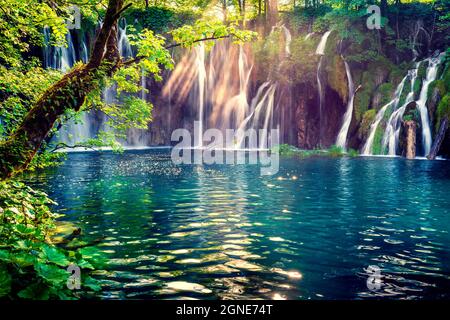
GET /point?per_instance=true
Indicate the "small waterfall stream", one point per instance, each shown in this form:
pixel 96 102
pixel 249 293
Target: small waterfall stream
pixel 392 132
pixel 323 43
pixel 288 39
pixel 368 146
pixel 341 140
pixel 59 58
pixel 215 85
pixel 320 50
pixel 63 58
pixel 201 76
pixel 421 103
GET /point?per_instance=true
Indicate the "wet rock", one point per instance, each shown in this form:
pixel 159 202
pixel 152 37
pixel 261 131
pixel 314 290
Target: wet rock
pixel 410 128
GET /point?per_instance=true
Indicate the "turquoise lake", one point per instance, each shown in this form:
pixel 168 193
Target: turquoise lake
pixel 225 232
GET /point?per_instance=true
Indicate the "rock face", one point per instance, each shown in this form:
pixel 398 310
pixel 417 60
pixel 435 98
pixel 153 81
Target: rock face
pixel 443 126
pixel 410 129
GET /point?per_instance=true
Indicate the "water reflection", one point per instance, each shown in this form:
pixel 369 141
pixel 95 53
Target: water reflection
pixel 310 232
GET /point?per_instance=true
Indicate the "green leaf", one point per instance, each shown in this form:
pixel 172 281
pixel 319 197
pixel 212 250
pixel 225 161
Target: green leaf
pixel 35 291
pixel 51 273
pixel 23 259
pixel 4 256
pixel 53 255
pixel 5 281
pixel 24 230
pixel 83 264
pixel 91 283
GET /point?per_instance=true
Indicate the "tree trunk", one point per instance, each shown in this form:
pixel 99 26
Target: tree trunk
pixel 272 11
pixel 68 93
pixel 439 139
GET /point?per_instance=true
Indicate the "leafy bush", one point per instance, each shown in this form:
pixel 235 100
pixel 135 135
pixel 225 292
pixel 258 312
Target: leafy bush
pixel 31 267
pixel 336 151
pixel 159 19
pixel 352 153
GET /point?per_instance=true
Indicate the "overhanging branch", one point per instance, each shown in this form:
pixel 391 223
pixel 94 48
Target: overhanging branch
pixel 138 59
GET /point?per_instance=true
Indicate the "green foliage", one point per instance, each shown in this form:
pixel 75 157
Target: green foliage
pixel 443 109
pixel 24 19
pixel 287 150
pixel 19 88
pixel 335 151
pixel 30 266
pixel 160 19
pixel 377 141
pixel 202 29
pixel 412 114
pixel 367 120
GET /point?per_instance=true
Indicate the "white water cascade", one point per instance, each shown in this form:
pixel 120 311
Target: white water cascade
pixel 215 85
pixel 392 133
pixel 323 43
pixel 320 50
pixel 288 39
pixel 393 126
pixel 201 76
pixel 63 58
pixel 341 140
pixel 368 146
pixel 59 58
pixel 124 44
pixel 421 103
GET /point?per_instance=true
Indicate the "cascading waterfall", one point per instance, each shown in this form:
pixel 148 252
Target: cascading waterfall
pixel 59 58
pixel 341 140
pixel 392 133
pixel 124 44
pixel 323 43
pixel 288 39
pixel 368 146
pixel 320 51
pixel 63 58
pixel 421 103
pixel 201 76
pixel 262 106
pixel 225 74
pixel 216 86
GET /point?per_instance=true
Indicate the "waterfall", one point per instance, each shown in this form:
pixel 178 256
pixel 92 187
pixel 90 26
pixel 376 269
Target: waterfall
pixel 262 105
pixel 392 132
pixel 367 149
pixel 124 44
pixel 63 58
pixel 309 35
pixel 59 58
pixel 321 98
pixel 320 51
pixel 288 39
pixel 84 51
pixel 421 103
pixel 323 43
pixel 201 78
pixel 341 140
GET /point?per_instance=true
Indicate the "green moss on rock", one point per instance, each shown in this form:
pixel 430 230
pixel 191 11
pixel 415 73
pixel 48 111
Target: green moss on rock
pixel 337 77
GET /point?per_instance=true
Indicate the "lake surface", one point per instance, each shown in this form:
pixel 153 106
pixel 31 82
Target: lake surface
pixel 222 231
